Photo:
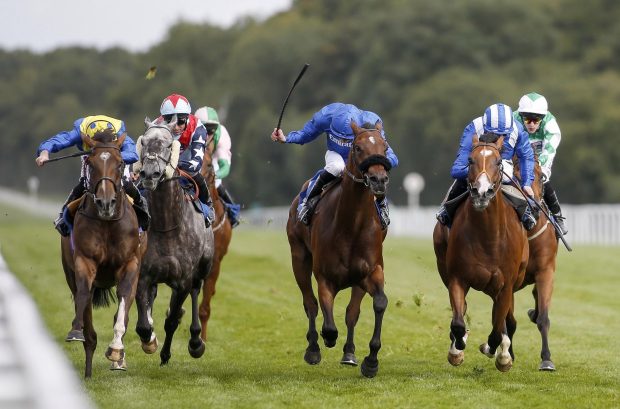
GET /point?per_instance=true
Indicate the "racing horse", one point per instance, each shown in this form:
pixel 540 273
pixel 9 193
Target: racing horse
pixel 541 265
pixel 343 247
pixel 222 232
pixel 487 250
pixel 104 249
pixel 180 252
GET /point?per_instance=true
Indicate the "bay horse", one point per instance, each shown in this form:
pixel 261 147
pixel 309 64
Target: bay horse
pixel 104 249
pixel 540 271
pixel 181 247
pixel 487 250
pixel 222 232
pixel 343 247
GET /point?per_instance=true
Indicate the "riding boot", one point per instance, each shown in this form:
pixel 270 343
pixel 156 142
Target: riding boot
pixel 446 211
pixel 140 205
pixel 312 197
pixel 232 209
pixel 554 206
pixel 205 197
pixel 528 219
pixel 60 224
pixel 384 212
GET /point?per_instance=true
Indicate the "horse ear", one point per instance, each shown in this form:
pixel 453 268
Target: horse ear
pixel 379 126
pixel 355 128
pixel 500 142
pixel 87 142
pixel 475 139
pixel 121 139
pixel 147 121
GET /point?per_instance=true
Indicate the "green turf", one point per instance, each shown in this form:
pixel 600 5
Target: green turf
pixel 254 355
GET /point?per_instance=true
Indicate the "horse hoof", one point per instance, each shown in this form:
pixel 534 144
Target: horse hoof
pixel 120 365
pixel 114 354
pixel 75 335
pixel 151 346
pixel 503 367
pixel 196 352
pixel 546 366
pixel 532 314
pixel 370 367
pixel 456 359
pixel 349 359
pixel 312 357
pixel 485 349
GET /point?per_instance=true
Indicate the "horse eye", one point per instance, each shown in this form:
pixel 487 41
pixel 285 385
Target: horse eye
pixel 357 149
pixel 470 161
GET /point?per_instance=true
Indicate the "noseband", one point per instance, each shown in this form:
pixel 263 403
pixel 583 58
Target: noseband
pixel 497 183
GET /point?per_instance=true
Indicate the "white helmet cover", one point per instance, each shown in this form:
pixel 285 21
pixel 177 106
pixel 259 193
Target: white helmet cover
pixel 175 104
pixel 533 103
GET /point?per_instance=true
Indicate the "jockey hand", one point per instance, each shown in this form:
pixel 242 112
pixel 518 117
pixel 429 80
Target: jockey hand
pixel 135 176
pixel 529 191
pixel 44 156
pixel 278 136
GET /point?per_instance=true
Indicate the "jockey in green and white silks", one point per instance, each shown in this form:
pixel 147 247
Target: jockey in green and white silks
pixel 221 159
pixel 545 136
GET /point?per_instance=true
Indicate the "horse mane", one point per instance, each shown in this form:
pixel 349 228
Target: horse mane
pixel 489 137
pixel 105 136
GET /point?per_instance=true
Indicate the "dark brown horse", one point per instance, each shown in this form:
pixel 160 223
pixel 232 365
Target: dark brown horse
pixel 343 247
pixel 104 250
pixel 540 270
pixel 222 232
pixel 486 249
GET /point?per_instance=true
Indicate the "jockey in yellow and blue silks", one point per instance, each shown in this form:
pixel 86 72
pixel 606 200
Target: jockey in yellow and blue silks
pixel 498 120
pixel 89 126
pixel 335 121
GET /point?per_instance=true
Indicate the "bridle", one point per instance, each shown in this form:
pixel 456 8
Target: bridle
pixel 154 156
pixel 495 185
pixel 117 186
pixel 367 163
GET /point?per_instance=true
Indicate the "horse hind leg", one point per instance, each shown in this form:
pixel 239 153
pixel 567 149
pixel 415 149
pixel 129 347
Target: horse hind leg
pixel 171 324
pixel 545 289
pixel 90 340
pixel 208 291
pixel 329 332
pixel 370 364
pixel 145 298
pixel 352 315
pixel 196 345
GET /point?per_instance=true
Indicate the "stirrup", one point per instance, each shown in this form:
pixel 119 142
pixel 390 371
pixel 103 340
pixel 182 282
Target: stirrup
pixel 528 220
pixel 443 217
pixel 61 226
pixel 559 220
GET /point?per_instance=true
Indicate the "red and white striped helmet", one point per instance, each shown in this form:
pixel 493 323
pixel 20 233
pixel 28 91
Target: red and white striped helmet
pixel 175 104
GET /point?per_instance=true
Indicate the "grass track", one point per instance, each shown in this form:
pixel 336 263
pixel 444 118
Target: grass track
pixel 254 355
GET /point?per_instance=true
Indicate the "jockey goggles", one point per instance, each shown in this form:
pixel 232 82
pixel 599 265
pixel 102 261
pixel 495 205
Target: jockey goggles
pixel 181 119
pixel 531 119
pixel 211 128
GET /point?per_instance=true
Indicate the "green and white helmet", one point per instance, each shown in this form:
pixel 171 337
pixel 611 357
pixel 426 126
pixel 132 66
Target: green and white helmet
pixel 209 118
pixel 533 103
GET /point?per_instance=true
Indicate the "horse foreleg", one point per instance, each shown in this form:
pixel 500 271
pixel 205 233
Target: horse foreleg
pixel 172 322
pixel 544 284
pixel 145 297
pixel 329 332
pixel 85 272
pixel 352 315
pixel 497 337
pixel 208 291
pixel 196 345
pixel 370 365
pixel 90 339
pixel 458 331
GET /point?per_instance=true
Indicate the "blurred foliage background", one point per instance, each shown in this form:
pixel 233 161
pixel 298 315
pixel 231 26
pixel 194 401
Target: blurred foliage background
pixel 427 68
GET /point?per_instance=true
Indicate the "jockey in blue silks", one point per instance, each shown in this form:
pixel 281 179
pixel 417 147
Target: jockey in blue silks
pixel 335 121
pixel 89 126
pixel 497 119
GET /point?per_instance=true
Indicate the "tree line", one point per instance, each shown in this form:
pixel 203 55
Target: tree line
pixel 427 68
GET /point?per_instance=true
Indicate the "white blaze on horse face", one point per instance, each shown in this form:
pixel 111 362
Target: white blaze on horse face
pixel 486 152
pixel 483 184
pixel 104 156
pixel 372 140
pixel 119 326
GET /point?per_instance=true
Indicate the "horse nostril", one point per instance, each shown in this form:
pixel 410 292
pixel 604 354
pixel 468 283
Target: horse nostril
pixel 156 175
pixel 142 174
pixel 386 180
pixel 112 202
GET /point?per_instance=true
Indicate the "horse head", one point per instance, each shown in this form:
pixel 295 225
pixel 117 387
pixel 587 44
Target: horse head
pixel 106 167
pixel 485 169
pixel 158 152
pixel 367 158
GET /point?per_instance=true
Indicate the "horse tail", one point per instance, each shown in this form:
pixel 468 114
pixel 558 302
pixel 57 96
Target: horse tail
pixel 102 297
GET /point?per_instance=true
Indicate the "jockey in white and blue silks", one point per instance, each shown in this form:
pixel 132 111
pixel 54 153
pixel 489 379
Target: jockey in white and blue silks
pixel 497 119
pixel 192 135
pixel 89 126
pixel 335 121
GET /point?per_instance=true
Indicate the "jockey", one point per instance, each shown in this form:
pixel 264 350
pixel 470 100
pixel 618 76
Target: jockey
pixel 192 136
pixel 89 126
pixel 222 155
pixel 544 134
pixel 497 119
pixel 335 121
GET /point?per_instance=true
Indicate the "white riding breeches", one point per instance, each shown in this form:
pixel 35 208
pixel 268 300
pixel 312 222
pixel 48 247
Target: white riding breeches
pixel 334 163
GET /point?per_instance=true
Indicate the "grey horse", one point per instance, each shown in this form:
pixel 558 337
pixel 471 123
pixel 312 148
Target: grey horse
pixel 180 248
